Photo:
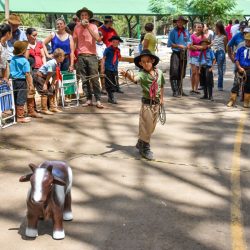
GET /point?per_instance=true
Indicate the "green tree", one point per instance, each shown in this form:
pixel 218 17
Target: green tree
pixel 207 10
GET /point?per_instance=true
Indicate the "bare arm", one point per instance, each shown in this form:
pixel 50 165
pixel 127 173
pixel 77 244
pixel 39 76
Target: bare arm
pixel 72 55
pixel 129 76
pixel 145 43
pixel 225 43
pixel 240 69
pixel 45 42
pixel 103 65
pixel 162 94
pixel 94 34
pixel 43 56
pixel 230 53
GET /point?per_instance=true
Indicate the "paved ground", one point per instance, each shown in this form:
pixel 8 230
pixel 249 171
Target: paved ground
pixel 189 198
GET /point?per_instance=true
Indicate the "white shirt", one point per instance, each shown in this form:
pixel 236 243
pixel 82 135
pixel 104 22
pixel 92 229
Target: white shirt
pixel 100 47
pixel 235 29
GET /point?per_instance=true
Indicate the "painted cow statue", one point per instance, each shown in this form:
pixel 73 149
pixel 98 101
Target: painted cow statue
pixel 49 196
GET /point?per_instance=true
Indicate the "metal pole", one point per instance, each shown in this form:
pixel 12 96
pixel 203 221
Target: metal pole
pixel 7 9
pixel 138 27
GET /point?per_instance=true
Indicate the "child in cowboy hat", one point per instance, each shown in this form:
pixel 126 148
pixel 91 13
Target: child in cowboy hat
pixel 207 60
pixel 152 83
pixel 22 80
pixel 109 66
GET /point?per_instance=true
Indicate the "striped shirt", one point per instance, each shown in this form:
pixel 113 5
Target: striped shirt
pixel 218 43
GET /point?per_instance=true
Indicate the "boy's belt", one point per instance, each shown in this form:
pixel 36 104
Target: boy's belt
pixel 149 101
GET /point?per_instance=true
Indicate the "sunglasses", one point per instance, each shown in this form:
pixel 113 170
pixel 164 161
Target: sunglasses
pixel 34 35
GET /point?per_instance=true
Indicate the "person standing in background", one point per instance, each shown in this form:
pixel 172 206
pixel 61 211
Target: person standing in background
pixel 149 41
pixel 228 30
pixel 17 35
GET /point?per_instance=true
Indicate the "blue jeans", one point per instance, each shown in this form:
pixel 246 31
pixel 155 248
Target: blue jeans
pixel 220 59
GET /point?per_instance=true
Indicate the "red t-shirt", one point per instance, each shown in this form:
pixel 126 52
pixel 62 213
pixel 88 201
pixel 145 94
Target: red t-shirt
pixel 228 30
pixel 86 44
pixel 107 34
pixel 36 53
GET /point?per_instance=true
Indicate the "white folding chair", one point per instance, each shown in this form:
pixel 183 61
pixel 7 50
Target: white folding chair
pixel 68 86
pixel 7 105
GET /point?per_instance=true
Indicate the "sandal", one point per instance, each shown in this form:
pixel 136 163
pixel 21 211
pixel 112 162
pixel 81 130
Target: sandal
pixel 87 103
pixel 99 105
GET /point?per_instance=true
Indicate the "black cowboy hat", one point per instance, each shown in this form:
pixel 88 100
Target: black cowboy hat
pixel 182 18
pixel 96 19
pixel 84 9
pixel 146 52
pixel 115 38
pixel 243 24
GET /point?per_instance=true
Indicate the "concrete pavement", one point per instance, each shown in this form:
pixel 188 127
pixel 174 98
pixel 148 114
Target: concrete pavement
pixel 183 200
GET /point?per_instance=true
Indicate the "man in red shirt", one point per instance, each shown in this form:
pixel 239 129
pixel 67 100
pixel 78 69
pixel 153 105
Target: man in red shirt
pixel 107 30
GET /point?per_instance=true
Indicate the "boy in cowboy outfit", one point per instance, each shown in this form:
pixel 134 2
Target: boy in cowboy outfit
pixel 152 83
pixel 242 62
pixel 207 60
pixel 109 66
pixel 22 80
pixel 178 40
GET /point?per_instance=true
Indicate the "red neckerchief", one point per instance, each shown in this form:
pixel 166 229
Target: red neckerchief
pixel 154 87
pixel 117 54
pixel 181 30
pixel 58 73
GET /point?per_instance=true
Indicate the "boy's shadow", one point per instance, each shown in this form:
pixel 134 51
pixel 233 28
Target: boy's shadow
pixel 128 150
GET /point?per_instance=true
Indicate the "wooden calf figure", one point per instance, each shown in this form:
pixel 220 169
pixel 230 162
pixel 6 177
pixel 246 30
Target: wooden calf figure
pixel 49 196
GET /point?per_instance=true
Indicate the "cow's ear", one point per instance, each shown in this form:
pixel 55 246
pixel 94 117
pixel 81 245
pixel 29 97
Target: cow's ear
pixel 59 181
pixel 25 178
pixel 49 168
pixel 32 167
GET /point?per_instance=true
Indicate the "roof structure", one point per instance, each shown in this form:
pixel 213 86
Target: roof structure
pixel 101 7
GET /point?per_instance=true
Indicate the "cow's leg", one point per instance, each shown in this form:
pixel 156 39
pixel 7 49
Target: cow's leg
pixel 67 212
pixel 58 231
pixel 31 229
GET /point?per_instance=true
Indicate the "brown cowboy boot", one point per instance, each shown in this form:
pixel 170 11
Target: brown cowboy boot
pixel 20 115
pixel 232 100
pixel 246 100
pixel 44 105
pixel 53 104
pixel 31 108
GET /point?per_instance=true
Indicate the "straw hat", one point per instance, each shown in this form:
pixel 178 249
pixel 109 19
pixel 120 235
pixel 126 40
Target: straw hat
pixel 14 19
pixel 20 47
pixel 145 52
pixel 84 9
pixel 181 18
pixel 247 36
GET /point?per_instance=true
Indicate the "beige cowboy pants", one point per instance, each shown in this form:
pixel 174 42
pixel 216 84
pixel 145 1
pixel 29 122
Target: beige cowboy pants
pixel 147 121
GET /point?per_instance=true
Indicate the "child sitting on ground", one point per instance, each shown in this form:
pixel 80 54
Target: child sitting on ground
pixel 110 61
pixel 22 80
pixel 43 85
pixel 207 60
pixel 152 83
